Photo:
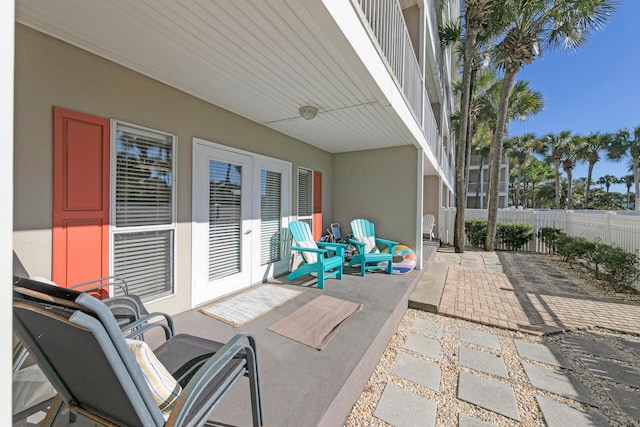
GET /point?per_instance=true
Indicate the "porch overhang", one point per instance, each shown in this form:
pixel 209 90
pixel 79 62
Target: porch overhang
pixel 259 60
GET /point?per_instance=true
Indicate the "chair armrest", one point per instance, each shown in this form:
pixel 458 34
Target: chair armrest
pixel 126 303
pixel 330 244
pixel 299 248
pixel 190 394
pixel 358 243
pixel 338 248
pixel 137 328
pixel 390 243
pixel 114 281
pixel 386 242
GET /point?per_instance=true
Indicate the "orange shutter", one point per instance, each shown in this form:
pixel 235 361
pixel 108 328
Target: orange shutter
pixel 317 205
pixel 80 197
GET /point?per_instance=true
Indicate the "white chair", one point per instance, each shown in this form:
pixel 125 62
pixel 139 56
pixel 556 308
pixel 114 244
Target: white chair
pixel 428 222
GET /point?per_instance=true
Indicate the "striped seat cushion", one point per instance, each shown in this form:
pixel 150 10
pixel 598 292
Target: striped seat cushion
pixel 164 388
pixel 309 257
pixel 369 244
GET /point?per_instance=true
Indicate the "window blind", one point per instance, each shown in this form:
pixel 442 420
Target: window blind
pixel 225 219
pixel 271 217
pixel 144 178
pixel 144 198
pixel 305 192
pixel 145 261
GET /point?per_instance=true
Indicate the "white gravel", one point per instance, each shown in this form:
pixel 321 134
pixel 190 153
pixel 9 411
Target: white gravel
pixel 449 406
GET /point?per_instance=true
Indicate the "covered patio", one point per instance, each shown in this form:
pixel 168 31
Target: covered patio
pixel 302 386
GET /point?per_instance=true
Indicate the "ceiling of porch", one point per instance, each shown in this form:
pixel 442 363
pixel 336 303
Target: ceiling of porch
pixel 259 59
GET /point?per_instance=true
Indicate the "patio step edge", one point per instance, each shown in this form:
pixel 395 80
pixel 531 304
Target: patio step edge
pixel 427 294
pixel 341 406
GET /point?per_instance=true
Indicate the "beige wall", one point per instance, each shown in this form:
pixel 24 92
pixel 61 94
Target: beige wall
pixel 379 185
pixel 412 19
pixel 52 73
pixel 431 198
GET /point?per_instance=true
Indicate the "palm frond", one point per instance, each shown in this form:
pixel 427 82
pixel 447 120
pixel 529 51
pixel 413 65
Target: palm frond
pixel 450 33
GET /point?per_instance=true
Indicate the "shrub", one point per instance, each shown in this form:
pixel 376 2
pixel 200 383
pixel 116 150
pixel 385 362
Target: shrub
pixel 621 269
pixel 476 230
pixel 549 237
pixel 514 235
pixel 573 249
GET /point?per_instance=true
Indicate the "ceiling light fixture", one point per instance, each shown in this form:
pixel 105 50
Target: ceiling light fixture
pixel 307 112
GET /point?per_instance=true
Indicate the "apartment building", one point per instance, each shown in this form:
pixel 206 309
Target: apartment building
pixel 172 142
pixel 478 187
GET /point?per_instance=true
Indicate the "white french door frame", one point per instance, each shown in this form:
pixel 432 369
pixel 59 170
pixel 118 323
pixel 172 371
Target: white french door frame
pixel 202 290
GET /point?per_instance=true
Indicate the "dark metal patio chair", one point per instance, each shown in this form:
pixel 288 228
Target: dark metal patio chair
pixel 78 344
pixel 31 390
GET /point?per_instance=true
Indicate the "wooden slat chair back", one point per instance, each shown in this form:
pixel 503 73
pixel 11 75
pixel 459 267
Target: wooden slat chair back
pixel 428 222
pixel 325 259
pixel 368 254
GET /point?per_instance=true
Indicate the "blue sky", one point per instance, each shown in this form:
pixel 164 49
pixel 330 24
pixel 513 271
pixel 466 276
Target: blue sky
pixel 596 88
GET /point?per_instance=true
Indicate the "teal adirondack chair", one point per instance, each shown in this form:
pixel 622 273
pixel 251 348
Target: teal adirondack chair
pixel 367 253
pixel 313 255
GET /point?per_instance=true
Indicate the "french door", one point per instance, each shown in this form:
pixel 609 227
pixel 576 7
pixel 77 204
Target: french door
pixel 241 206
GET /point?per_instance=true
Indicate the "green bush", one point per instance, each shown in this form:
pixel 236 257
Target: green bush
pixel 573 249
pixel 476 230
pixel 549 237
pixel 621 269
pixel 514 235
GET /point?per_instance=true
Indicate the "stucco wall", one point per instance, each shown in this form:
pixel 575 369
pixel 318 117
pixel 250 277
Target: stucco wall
pixel 379 185
pixel 431 197
pixel 412 19
pixel 52 73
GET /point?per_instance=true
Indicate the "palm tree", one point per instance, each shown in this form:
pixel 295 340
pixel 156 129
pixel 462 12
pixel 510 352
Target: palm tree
pixel 579 186
pixel 546 194
pixel 623 145
pixel 476 12
pixel 552 147
pixel 523 102
pixel 569 160
pixel 594 144
pixel 532 27
pixel 628 181
pixel 607 180
pixel 535 172
pixel 521 148
pixel 481 141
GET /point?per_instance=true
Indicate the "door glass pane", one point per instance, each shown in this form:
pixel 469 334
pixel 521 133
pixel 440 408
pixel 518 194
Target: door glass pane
pixel 270 216
pixel 225 219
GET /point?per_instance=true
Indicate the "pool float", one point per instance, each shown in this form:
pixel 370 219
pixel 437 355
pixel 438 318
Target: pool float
pixel 408 262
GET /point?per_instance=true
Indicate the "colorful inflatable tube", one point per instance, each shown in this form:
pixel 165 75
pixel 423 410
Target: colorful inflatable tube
pixel 406 257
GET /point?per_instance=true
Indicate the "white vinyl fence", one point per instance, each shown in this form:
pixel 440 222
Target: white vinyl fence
pixel 608 227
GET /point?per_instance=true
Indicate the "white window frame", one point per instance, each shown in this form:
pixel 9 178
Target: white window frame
pixel 114 229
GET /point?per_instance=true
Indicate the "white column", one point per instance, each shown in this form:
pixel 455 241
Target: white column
pixel 7 26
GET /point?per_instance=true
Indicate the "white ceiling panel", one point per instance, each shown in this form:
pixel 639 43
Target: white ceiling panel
pixel 259 59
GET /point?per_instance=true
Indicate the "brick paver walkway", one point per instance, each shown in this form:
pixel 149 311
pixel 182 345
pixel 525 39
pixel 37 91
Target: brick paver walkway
pixel 478 291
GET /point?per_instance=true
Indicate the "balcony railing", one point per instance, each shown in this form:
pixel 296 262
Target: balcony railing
pixel 475 161
pixel 386 23
pixel 472 188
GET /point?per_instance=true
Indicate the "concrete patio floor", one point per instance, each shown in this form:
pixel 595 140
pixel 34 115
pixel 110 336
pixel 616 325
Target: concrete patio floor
pixel 302 386
pixel 305 387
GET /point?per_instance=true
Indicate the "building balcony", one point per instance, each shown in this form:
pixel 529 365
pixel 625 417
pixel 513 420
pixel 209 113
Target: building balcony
pixel 353 61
